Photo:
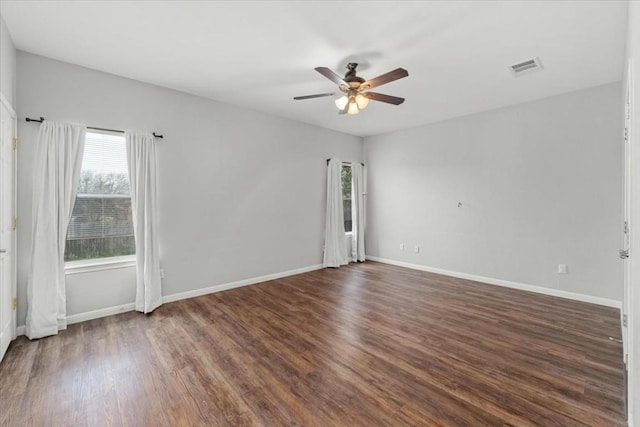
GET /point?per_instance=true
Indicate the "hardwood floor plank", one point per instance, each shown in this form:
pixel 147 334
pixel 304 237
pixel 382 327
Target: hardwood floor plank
pixel 367 344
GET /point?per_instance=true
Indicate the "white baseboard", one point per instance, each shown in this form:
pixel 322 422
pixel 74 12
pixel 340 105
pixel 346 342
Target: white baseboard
pixel 95 314
pixel 505 283
pixel 88 315
pixel 103 312
pixel 246 282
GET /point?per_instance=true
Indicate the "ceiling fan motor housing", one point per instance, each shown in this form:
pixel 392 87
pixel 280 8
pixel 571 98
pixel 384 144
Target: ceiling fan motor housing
pixel 350 76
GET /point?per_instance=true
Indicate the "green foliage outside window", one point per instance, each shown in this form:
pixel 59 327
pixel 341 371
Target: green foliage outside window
pixel 346 196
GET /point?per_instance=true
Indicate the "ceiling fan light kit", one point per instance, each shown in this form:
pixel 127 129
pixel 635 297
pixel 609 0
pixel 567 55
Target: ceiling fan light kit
pixel 353 108
pixel 355 89
pixel 362 101
pixel 353 103
pixel 342 102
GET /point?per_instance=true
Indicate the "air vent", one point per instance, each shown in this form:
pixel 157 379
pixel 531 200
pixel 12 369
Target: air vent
pixel 526 67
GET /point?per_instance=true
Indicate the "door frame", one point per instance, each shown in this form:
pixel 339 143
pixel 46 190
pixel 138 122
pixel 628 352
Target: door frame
pixel 631 290
pixel 626 244
pixel 14 288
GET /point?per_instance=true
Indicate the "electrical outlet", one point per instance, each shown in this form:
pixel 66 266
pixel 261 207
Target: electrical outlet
pixel 563 269
pixel 402 246
pixel 416 249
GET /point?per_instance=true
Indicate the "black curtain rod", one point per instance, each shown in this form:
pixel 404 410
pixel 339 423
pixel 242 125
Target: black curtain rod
pixel 345 163
pixel 92 128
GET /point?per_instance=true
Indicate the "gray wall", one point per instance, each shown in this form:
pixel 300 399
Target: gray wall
pixel 539 183
pixel 7 65
pixel 242 193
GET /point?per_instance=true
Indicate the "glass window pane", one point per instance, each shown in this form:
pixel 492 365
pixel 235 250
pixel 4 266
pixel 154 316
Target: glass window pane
pixel 346 197
pixel 101 223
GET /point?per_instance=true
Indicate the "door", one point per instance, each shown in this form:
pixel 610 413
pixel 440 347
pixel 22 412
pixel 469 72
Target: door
pixel 7 226
pixel 624 253
pixel 627 337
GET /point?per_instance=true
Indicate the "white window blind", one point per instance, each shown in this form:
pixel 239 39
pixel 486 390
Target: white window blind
pixel 101 223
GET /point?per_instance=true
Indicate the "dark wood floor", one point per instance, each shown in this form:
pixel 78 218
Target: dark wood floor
pixel 363 345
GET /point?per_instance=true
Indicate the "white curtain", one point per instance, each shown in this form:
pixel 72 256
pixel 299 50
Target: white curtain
pixel 58 162
pixel 335 249
pixel 141 158
pixel 357 211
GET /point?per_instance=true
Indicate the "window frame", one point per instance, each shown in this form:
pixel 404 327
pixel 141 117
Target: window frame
pixel 349 165
pixel 99 264
pixel 105 263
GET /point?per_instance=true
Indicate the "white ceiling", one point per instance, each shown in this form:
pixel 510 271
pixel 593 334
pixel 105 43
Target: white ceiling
pixel 261 54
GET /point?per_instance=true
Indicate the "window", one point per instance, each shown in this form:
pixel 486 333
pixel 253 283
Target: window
pixel 101 223
pixel 346 197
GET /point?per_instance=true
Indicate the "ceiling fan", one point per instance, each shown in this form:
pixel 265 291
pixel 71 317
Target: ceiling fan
pixel 355 89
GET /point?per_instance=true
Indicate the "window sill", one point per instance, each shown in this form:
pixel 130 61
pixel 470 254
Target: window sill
pixel 99 264
pixel 348 234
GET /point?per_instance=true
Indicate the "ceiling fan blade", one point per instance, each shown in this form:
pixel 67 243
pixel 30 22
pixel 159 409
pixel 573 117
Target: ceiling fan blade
pixel 389 77
pixel 318 95
pixel 384 98
pixel 331 75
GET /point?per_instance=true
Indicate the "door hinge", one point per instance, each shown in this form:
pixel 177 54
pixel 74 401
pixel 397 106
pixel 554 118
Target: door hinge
pixel 14 223
pixel 623 253
pixel 14 305
pixel 626 227
pixel 624 320
pixel 15 144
